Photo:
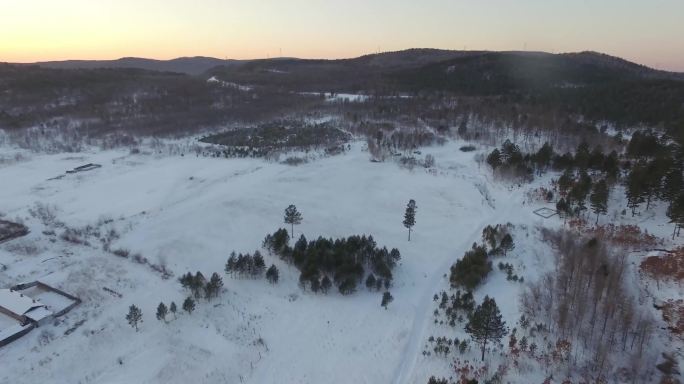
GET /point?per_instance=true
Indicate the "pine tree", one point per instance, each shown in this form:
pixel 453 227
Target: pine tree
pixel 292 217
pixel 189 305
pixel 197 284
pixel 635 188
pixel 599 198
pixel 315 284
pixel 213 287
pixel 272 274
pixel 173 309
pixel 494 159
pixel 582 155
pixel 673 183
pixel 230 264
pixel 486 325
pixel 259 264
pixel 565 181
pixel 386 299
pixel 675 211
pixel 370 281
pixel 410 216
pixel 134 316
pixel 507 244
pixel 162 311
pixel 326 284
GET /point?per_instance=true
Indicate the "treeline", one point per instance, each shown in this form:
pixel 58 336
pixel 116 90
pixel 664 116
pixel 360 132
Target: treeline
pixel 652 168
pixel 344 263
pixel 104 101
pixel 510 161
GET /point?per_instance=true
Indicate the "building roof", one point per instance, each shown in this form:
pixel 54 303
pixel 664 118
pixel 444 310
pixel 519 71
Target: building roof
pixel 17 303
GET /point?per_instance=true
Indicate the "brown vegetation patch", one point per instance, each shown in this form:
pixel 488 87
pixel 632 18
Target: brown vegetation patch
pixel 673 315
pixel 669 265
pixel 627 236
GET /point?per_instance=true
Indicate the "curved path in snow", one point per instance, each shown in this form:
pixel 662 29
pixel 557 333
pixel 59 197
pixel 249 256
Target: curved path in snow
pixel 423 311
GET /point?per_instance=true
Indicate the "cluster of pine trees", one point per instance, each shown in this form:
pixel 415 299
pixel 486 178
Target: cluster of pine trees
pixel 651 168
pixel 575 190
pixel 475 265
pixel 509 159
pixel 247 265
pixel 471 269
pixel 456 308
pixel 656 171
pixel 135 314
pixel 341 262
pixel 251 266
pixel 200 287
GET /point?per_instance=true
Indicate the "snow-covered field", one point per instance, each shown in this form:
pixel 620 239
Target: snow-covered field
pixel 188 213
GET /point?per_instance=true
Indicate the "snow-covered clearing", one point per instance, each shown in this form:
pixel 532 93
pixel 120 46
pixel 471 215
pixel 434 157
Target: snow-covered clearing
pixel 188 213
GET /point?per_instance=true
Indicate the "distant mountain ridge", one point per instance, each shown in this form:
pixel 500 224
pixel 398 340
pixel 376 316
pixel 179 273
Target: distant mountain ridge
pixel 188 65
pixel 404 59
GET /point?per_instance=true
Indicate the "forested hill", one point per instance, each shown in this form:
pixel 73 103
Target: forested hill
pixel 586 86
pixel 594 85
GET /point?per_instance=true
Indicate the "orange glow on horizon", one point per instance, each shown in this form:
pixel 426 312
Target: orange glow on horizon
pixel 649 33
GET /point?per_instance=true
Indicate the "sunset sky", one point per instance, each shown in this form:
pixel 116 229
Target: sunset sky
pixel 648 32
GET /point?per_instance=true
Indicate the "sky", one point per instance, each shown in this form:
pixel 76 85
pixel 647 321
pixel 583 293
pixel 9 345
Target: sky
pixel 649 32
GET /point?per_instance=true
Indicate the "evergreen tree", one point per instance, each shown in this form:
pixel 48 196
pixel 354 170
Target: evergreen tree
pixel 326 284
pixel 543 157
pixel 471 268
pixel 386 299
pixel 230 264
pixel 507 244
pixel 370 281
pixel 494 159
pixel 562 207
pixel 565 181
pixel 259 264
pixel 410 216
pixel 599 198
pixel 292 217
pixel 653 175
pixel 162 311
pixel 197 284
pixel 186 280
pixel 675 211
pixel 213 287
pixel 489 236
pixel 173 309
pixel 673 183
pixel 347 286
pixel 634 188
pixel 582 155
pixel 315 284
pixel 272 274
pixel 486 325
pixel 134 316
pixel 611 166
pixel 189 305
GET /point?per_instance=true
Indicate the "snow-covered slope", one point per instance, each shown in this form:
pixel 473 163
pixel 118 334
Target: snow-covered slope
pixel 188 213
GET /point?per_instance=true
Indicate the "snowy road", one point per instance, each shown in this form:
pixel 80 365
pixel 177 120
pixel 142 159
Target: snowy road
pixel 406 368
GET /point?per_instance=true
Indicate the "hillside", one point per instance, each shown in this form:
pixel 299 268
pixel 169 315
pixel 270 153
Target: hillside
pixel 188 65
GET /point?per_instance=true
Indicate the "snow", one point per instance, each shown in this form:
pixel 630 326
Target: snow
pixel 229 84
pixel 17 302
pixel 188 213
pixel 339 97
